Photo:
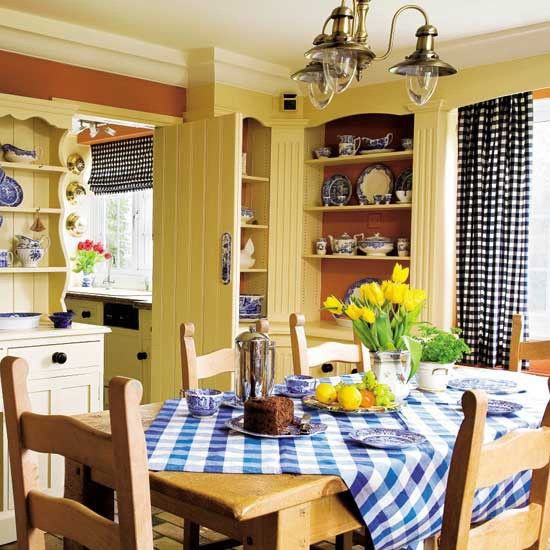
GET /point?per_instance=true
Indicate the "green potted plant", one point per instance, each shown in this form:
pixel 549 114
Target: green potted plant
pixel 440 351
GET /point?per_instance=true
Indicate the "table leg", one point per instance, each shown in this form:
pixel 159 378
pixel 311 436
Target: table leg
pixel 190 535
pixel 80 487
pixel 344 541
pixel 282 530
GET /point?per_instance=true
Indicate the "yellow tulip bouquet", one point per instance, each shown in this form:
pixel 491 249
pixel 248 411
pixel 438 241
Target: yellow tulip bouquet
pixel 384 315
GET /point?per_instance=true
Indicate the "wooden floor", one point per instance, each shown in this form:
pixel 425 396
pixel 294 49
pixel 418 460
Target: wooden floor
pixel 168 535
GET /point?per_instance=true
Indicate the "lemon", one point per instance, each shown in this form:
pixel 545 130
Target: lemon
pixel 350 398
pixel 325 393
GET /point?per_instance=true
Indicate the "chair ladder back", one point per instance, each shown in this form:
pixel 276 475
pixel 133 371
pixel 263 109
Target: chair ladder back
pixel 476 466
pixel 298 343
pixel 534 350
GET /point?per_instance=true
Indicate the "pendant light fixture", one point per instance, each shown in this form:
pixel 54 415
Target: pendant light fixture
pixel 338 57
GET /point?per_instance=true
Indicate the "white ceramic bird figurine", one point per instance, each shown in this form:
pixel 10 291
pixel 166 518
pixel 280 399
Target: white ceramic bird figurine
pixel 247 261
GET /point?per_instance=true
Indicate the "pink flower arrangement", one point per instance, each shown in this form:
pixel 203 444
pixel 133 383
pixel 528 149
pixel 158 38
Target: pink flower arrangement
pixel 88 254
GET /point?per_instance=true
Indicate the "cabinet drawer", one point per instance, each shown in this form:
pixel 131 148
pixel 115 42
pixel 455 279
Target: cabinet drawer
pixel 59 357
pixel 145 323
pixel 86 311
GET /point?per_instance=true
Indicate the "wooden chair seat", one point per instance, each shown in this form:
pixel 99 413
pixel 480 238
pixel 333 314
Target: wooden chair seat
pixel 304 358
pixel 122 455
pixel 536 350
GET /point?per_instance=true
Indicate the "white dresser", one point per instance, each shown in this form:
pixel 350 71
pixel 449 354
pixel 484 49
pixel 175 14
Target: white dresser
pixel 65 377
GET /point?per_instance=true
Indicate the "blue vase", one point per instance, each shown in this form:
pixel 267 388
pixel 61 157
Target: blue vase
pixel 87 279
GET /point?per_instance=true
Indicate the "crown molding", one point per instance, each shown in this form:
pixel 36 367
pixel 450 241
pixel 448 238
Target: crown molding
pixel 55 40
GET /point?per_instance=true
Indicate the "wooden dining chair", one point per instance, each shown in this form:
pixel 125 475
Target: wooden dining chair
pixel 123 455
pixel 304 358
pixel 194 368
pixel 535 350
pixel 474 466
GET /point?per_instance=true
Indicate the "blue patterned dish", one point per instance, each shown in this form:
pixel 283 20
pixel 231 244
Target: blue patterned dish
pixel 336 191
pixel 404 181
pixel 376 179
pixel 232 401
pixel 62 319
pixel 300 384
pixel 281 389
pixel 19 321
pixel 16 154
pixel 203 402
pixel 237 424
pixel 384 438
pixel 11 193
pixel 250 306
pixel 494 386
pixel 497 407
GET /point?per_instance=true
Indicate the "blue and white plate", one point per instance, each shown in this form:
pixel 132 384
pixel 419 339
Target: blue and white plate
pixel 374 180
pixel 353 289
pixel 498 407
pixel 237 424
pixel 230 400
pixel 281 389
pixel 404 180
pixel 490 385
pixel 11 193
pixel 384 438
pixel 336 190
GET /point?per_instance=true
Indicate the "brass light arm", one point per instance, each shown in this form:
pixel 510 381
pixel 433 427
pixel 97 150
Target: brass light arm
pixel 393 25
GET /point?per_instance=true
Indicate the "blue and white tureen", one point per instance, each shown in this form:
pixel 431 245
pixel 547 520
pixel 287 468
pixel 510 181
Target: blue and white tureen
pixel 377 245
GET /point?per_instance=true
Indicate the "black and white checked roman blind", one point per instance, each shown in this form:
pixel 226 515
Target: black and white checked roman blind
pixel 122 166
pixel 494 177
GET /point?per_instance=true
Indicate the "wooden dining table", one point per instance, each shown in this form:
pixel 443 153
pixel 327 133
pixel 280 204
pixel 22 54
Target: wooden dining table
pixel 265 512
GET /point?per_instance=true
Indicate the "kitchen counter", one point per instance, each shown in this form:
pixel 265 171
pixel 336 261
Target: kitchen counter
pixel 46 330
pixel 140 299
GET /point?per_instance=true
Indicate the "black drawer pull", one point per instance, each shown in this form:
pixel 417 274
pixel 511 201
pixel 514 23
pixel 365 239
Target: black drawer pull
pixel 142 355
pixel 354 371
pixel 59 357
pixel 86 314
pixel 327 367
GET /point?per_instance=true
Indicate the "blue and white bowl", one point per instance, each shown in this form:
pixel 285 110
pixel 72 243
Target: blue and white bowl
pixel 15 154
pixel 247 215
pixel 300 384
pixel 376 245
pixel 321 152
pixel 203 402
pixel 62 319
pixel 250 306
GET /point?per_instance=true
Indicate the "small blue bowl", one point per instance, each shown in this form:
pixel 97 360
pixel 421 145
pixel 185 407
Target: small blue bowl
pixel 300 383
pixel 203 402
pixel 62 319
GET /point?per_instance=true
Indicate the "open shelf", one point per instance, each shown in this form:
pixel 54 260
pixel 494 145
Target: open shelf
pixel 361 159
pixel 258 270
pixel 33 167
pixel 254 179
pixel 33 270
pixel 253 226
pixel 358 207
pixel 19 210
pixel 369 258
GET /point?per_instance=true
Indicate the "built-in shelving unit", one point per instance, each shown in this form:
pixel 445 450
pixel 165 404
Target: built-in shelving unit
pixel 361 159
pixel 364 258
pixel 253 226
pixel 358 208
pixel 33 167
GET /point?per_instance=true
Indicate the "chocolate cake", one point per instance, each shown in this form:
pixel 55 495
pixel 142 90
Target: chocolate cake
pixel 270 415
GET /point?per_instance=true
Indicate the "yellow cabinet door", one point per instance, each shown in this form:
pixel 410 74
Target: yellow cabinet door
pixel 196 202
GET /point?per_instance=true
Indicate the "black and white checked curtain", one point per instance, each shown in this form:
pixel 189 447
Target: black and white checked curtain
pixel 494 173
pixel 121 166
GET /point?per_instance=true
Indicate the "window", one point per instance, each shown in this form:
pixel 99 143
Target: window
pixel 539 228
pixel 124 223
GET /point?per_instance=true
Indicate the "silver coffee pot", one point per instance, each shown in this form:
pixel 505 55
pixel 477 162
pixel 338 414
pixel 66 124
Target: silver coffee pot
pixel 255 367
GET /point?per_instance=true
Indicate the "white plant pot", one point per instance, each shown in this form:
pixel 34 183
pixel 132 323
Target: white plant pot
pixel 433 377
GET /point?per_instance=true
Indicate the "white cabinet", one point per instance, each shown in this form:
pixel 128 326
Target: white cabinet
pixel 65 377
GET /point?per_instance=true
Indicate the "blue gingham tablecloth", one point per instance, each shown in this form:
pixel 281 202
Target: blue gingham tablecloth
pixel 400 493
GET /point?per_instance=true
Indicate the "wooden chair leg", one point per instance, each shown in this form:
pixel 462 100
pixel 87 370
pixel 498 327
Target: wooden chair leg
pixel 190 535
pixel 344 541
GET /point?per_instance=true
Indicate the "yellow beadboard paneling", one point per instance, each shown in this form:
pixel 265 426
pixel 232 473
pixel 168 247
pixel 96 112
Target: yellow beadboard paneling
pixel 434 212
pixel 286 203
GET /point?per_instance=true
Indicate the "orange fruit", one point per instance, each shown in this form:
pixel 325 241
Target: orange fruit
pixel 368 399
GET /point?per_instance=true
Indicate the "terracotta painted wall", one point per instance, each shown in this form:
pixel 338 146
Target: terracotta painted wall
pixel 122 132
pixel 42 79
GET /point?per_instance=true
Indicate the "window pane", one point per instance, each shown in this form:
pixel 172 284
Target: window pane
pixel 119 229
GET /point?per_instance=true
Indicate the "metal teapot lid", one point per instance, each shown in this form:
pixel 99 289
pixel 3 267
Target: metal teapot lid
pixel 251 336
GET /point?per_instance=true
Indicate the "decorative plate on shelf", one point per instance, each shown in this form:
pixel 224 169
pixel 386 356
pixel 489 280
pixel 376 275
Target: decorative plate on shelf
pixel 495 386
pixel 76 164
pixel 353 290
pixel 237 424
pixel 404 181
pixel 11 193
pixel 372 151
pixel 374 180
pixel 310 401
pixel 384 438
pixel 336 190
pixel 75 192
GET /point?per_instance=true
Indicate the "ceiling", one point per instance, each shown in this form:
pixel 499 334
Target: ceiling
pixel 276 31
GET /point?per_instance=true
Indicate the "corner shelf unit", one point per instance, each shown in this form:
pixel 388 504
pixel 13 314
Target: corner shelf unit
pixel 334 274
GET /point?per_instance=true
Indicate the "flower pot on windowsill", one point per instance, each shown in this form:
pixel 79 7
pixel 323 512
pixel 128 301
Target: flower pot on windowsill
pixel 87 279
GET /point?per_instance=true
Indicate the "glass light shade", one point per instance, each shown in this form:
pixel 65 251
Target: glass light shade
pixel 339 66
pixel 421 83
pixel 318 91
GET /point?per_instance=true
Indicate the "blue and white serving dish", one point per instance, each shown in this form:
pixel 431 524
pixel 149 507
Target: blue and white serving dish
pixel 16 154
pixel 490 385
pixel 203 402
pixel 19 321
pixel 377 245
pixel 300 385
pixel 498 407
pixel 336 191
pixel 11 193
pixel 250 306
pixel 384 438
pixel 377 143
pixel 293 430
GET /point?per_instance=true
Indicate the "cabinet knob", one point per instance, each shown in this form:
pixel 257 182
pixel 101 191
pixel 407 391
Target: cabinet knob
pixel 86 314
pixel 59 357
pixel 327 367
pixel 354 371
pixel 142 355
